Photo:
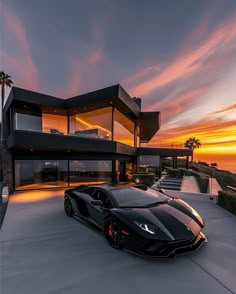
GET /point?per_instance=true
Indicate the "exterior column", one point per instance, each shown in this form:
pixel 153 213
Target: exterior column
pixel 187 160
pixel 115 172
pixel 176 161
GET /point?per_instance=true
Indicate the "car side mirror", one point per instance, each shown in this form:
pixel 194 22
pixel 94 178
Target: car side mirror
pixel 97 203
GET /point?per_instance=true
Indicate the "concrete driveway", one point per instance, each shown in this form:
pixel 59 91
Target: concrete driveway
pixel 43 251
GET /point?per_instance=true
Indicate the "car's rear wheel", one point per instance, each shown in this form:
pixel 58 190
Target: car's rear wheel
pixel 68 207
pixel 113 233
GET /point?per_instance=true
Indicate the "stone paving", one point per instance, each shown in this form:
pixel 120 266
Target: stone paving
pixel 44 252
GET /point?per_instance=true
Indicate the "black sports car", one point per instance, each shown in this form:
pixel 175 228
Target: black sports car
pixel 142 220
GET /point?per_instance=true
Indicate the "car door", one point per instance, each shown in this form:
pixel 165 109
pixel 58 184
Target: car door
pixel 96 212
pixel 85 197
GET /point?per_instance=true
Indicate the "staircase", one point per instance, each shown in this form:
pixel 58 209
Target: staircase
pixel 168 183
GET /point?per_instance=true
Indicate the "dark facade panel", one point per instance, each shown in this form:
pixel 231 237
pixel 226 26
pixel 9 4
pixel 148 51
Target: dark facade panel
pixel 114 95
pixel 149 125
pixel 55 155
pixel 24 140
pixel 125 149
pixel 128 101
pixel 31 97
pixel 165 152
pixel 49 142
pixel 95 97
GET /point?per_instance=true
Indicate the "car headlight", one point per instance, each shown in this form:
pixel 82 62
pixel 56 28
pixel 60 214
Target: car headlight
pixel 151 229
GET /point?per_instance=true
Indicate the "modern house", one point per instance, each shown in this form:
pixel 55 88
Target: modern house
pixel 53 142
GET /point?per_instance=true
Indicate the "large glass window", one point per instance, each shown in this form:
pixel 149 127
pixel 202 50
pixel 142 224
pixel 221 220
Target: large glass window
pixel 149 163
pixel 36 174
pixel 28 122
pixel 137 136
pixel 97 123
pixel 89 171
pixel 54 124
pixel 123 129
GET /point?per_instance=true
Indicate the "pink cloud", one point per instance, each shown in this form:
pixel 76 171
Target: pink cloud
pixel 187 62
pixel 81 68
pixel 231 107
pixel 21 66
pixel 95 56
pixel 178 104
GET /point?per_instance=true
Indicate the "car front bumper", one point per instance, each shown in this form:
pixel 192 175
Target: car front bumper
pixel 155 248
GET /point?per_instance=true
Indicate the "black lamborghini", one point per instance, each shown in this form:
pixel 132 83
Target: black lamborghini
pixel 141 220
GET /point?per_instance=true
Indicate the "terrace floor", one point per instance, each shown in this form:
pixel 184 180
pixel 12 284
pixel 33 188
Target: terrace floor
pixel 44 252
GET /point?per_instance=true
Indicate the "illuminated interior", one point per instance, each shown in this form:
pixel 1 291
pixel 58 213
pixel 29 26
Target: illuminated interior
pixel 123 129
pixel 38 174
pixel 97 123
pixel 54 124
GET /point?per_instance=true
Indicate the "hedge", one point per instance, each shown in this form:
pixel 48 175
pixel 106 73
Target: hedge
pixel 174 172
pixel 143 178
pixel 227 200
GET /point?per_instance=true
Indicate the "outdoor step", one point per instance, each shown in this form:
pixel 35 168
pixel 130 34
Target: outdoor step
pixel 176 188
pixel 170 183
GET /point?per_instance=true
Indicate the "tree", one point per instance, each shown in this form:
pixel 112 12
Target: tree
pixel 192 143
pixel 5 81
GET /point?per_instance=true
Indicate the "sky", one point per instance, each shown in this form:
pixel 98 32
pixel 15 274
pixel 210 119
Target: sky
pixel 178 56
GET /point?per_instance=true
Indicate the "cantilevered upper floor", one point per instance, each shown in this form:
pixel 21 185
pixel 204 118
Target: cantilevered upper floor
pixel 109 114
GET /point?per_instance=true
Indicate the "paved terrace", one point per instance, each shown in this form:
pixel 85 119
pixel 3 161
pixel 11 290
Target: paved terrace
pixel 44 252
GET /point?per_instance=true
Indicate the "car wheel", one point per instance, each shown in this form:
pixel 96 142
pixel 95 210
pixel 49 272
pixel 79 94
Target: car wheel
pixel 112 230
pixel 68 207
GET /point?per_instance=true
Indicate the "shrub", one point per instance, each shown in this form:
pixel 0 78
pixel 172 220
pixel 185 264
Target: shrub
pixel 227 200
pixel 174 172
pixel 202 184
pixel 142 178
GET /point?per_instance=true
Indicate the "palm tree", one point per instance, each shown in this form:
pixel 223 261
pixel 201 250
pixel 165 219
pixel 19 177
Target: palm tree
pixel 5 81
pixel 192 143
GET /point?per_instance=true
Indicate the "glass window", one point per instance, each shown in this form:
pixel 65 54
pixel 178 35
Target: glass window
pixel 28 122
pixel 137 197
pixel 36 174
pixel 97 123
pixel 149 163
pixel 123 129
pixel 89 171
pixel 54 124
pixel 137 136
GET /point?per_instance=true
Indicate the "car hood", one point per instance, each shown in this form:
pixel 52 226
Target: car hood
pixel 172 223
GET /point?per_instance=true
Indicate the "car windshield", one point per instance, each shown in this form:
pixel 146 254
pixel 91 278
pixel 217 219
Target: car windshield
pixel 132 197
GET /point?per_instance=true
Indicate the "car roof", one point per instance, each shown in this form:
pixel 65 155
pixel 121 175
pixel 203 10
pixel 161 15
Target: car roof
pixel 108 187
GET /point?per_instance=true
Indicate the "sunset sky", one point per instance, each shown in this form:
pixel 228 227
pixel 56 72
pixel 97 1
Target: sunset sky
pixel 178 56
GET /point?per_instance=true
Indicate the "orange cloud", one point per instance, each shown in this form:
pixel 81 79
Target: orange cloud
pixel 224 109
pixel 216 136
pixel 178 104
pixel 23 63
pixel 188 62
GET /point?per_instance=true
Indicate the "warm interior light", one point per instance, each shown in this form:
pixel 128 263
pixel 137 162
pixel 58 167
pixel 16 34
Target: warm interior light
pixel 92 126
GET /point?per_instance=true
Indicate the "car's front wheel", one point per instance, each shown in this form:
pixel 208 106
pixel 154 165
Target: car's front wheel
pixel 113 232
pixel 68 207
